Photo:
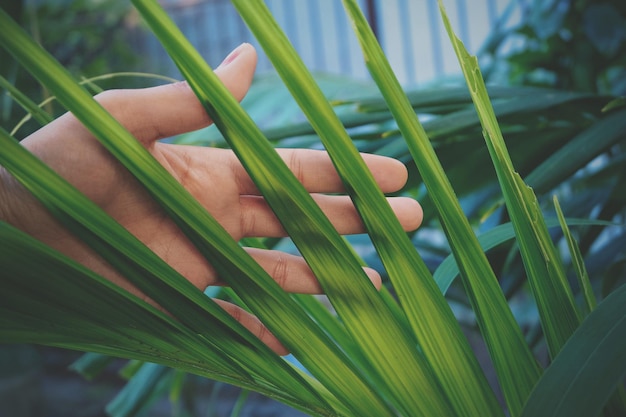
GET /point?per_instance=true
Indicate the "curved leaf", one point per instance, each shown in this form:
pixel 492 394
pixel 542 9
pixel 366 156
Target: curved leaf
pixel 590 365
pixel 579 151
pixel 503 336
pixel 448 271
pixel 546 274
pixel 74 308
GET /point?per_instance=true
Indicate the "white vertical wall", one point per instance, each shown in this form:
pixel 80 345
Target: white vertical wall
pixel 410 32
pixel 416 43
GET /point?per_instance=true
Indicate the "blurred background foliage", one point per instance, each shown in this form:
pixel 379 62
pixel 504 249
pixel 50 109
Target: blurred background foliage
pixel 87 37
pixel 575 45
pixel 561 75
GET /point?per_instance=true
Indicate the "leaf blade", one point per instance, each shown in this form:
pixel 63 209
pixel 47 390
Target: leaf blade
pixel 546 274
pixel 591 364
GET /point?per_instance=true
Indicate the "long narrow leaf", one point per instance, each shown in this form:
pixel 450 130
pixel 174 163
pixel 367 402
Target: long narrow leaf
pixel 109 236
pixel 591 364
pixel 578 262
pixel 278 311
pixel 306 224
pixel 146 270
pixel 546 275
pixel 579 151
pixel 513 360
pixel 448 271
pixel 147 385
pixel 91 364
pixel 27 104
pixel 76 309
pixel 407 271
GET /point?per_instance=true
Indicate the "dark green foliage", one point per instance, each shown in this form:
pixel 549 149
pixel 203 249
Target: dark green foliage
pixel 89 38
pixel 568 44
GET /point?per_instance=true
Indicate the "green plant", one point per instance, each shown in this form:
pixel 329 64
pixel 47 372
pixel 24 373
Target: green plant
pixel 84 36
pixel 572 45
pixel 380 356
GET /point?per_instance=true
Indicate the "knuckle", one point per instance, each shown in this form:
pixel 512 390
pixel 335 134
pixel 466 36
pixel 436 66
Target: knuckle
pixel 295 165
pixel 280 270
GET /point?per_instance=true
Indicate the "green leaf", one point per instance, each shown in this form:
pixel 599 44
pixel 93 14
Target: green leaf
pixel 123 331
pixel 577 261
pixel 503 336
pixel 130 368
pixel 408 273
pixel 587 370
pixel 615 104
pixel 91 364
pixel 285 195
pixel 448 271
pixel 136 262
pixel 546 274
pixel 148 385
pixel 474 397
pixel 423 100
pixel 77 309
pixel 239 404
pixel 335 266
pixel 579 151
pixel 36 112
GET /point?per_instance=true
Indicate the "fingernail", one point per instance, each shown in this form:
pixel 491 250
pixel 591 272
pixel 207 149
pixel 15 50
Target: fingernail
pixel 232 56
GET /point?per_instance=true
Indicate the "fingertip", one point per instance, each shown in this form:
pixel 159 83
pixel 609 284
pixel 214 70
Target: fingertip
pixel 409 212
pixel 235 54
pixel 374 276
pixel 255 326
pixel 390 174
pixel 416 215
pixel 400 173
pixel 237 70
pixel 271 341
pixel 279 349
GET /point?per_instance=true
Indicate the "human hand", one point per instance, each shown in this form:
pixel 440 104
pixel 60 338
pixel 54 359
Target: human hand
pixel 213 176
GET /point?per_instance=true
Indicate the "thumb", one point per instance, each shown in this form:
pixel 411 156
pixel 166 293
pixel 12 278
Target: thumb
pixel 155 113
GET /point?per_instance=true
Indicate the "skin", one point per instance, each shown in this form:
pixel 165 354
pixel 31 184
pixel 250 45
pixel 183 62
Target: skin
pixel 213 176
